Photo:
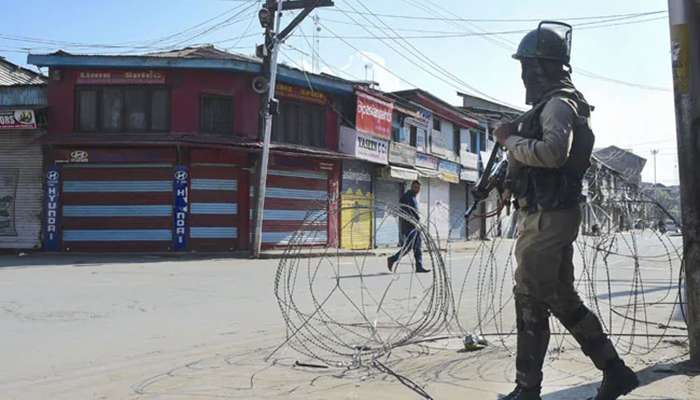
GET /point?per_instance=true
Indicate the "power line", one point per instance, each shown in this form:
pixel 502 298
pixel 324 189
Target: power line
pixel 448 35
pixel 510 46
pixel 415 17
pixel 589 25
pixel 422 57
pixel 374 61
pixel 143 45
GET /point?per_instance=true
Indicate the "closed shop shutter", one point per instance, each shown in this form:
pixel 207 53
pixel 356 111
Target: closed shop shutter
pixel 387 193
pixel 424 200
pixel 356 206
pixel 214 214
pixel 474 224
pixel 21 195
pixel 117 207
pixel 296 203
pixel 439 210
pixel 458 206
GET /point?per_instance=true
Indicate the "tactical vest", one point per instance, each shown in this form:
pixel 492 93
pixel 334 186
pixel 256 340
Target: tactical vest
pixel 556 188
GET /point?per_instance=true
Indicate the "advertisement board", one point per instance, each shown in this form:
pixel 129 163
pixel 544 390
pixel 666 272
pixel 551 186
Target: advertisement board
pixel 373 116
pixel 17 119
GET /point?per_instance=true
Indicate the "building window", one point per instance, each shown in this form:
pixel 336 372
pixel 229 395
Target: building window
pixel 123 109
pixel 474 141
pixel 455 139
pixel 414 135
pixel 396 123
pixel 87 110
pixel 216 114
pixel 300 123
pixel 437 126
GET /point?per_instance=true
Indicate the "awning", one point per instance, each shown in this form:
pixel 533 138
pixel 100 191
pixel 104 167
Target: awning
pixel 200 140
pixel 406 174
pixel 427 173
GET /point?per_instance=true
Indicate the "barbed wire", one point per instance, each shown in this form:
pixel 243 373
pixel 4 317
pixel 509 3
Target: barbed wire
pixel 345 314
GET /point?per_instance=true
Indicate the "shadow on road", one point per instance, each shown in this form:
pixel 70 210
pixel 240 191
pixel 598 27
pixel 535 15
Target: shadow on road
pixel 647 376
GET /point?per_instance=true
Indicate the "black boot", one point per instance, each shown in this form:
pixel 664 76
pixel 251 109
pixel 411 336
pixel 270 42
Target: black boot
pixel 521 393
pixel 618 380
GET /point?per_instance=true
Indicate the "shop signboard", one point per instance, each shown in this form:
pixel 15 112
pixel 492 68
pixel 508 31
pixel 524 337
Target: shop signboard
pixel 300 93
pixel 364 147
pixel 148 77
pixel 181 207
pixel 52 240
pixel 17 119
pixel 373 116
pixel 426 161
pixel 449 171
pixel 402 154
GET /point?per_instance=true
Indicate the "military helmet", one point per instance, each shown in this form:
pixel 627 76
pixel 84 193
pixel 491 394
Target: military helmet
pixel 550 41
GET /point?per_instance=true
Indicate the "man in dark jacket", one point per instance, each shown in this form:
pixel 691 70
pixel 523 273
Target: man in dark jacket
pixel 410 235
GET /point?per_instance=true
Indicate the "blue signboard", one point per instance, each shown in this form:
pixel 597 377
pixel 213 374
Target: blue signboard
pixel 449 166
pixel 181 208
pixel 52 205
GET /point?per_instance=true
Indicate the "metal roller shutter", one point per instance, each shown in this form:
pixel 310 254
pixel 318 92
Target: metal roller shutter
pixel 458 206
pixel 291 199
pixel 214 213
pixel 356 206
pixel 439 210
pixel 21 174
pixel 117 207
pixel 386 192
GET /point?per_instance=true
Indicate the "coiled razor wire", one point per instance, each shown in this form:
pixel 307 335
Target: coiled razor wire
pixel 345 313
pixel 380 315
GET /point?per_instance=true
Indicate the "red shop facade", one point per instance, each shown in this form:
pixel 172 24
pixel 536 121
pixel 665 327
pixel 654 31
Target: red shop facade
pixel 162 157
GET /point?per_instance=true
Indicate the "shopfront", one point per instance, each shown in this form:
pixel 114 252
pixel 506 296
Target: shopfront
pixel 300 202
pixel 457 206
pixel 21 175
pixel 113 199
pixel 390 184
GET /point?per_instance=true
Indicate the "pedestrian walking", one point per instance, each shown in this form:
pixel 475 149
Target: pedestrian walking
pixel 410 234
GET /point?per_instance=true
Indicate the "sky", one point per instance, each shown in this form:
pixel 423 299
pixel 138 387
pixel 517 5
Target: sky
pixel 402 44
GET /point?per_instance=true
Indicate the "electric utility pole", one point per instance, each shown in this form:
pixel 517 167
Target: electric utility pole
pixel 654 152
pixel 684 18
pixel 316 61
pixel 270 17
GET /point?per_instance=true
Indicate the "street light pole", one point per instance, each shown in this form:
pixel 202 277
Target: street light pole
pixel 654 152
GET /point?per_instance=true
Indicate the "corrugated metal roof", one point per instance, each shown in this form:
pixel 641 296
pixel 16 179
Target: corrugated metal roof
pixel 206 52
pixel 12 74
pixel 438 106
pixel 199 57
pixel 625 162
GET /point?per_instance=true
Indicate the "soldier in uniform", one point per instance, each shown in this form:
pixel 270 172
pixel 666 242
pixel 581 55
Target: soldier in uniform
pixel 548 153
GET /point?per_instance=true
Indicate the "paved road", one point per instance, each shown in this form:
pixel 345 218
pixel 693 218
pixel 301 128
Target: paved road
pixel 163 328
